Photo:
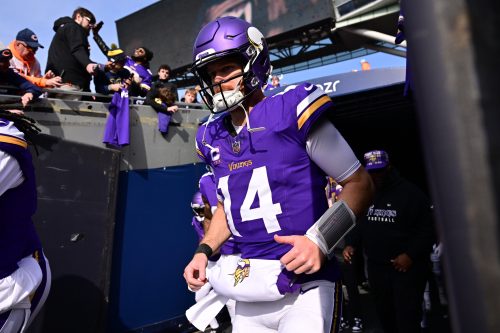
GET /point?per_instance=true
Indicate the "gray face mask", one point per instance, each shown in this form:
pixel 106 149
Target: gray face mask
pixel 226 100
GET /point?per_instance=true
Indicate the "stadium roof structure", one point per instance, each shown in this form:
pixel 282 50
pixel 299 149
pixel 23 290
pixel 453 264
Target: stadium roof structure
pixel 328 41
pixel 303 34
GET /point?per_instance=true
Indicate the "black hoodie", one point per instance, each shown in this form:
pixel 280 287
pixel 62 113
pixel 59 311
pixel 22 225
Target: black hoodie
pixel 399 221
pixel 69 52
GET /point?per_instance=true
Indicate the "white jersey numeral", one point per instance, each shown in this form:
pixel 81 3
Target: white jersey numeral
pixel 223 185
pixel 258 186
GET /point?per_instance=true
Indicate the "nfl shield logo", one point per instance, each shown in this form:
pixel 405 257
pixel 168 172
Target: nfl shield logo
pixel 236 147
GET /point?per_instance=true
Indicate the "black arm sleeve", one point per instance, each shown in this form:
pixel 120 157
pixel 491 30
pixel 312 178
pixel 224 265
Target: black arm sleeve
pixel 101 44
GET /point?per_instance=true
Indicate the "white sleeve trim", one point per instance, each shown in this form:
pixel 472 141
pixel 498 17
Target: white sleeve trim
pixel 329 150
pixel 10 173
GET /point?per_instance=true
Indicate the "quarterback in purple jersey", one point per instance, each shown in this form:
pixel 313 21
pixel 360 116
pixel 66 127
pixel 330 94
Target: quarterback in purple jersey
pixel 269 157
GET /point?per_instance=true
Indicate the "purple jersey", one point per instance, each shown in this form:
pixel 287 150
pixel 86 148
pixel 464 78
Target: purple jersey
pixel 266 179
pixel 197 224
pixel 207 188
pixel 18 237
pixel 144 72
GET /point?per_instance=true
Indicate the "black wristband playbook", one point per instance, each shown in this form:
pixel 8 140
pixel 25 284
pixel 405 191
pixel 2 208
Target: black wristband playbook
pixel 205 249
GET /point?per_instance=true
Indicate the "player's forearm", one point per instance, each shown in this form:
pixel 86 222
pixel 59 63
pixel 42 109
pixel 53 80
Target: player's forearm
pixel 358 192
pixel 218 232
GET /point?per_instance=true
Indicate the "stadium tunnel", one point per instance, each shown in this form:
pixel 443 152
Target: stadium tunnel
pixel 371 112
pixel 383 119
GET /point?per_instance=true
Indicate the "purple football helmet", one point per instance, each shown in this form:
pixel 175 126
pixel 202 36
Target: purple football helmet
pixel 237 39
pixel 197 204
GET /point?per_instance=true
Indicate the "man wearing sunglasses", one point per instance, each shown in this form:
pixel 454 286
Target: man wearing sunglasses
pixel 23 49
pixel 69 51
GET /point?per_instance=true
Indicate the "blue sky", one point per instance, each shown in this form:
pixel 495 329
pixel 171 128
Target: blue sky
pixel 39 16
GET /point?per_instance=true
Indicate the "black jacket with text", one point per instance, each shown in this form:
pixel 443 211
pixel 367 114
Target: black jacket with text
pixel 399 221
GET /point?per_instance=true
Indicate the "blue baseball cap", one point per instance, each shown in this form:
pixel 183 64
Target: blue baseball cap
pixel 29 37
pixel 376 159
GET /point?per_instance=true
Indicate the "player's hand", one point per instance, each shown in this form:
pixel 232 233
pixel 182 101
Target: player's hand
pixel 26 98
pixel 304 257
pixel 348 253
pixel 402 263
pixel 195 272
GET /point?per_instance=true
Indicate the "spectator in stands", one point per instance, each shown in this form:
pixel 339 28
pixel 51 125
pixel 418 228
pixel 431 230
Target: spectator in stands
pixel 190 97
pixel 275 83
pixel 397 234
pixel 163 77
pixel 69 52
pixel 10 78
pixel 163 101
pixel 115 76
pixel 23 49
pixel 138 66
pixel 24 269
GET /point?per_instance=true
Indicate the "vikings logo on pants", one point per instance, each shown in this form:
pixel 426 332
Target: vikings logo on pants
pixel 242 271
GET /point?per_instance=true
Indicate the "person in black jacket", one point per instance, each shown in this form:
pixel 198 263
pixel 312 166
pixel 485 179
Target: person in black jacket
pixel 397 235
pixel 69 52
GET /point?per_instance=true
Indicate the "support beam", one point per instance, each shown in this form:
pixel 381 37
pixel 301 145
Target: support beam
pixel 373 35
pixel 454 55
pixel 385 49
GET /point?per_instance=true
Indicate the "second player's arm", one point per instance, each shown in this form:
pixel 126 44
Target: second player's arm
pixel 218 233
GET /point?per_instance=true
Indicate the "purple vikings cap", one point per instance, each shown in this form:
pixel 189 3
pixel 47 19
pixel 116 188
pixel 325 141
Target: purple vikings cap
pixel 376 159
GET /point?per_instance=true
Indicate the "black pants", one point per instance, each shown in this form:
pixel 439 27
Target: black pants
pixel 350 280
pixel 398 296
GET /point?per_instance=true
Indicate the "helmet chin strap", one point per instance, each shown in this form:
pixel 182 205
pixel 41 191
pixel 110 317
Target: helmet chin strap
pixel 225 100
pixel 249 128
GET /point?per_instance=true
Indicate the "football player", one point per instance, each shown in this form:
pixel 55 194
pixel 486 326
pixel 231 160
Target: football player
pixel 24 269
pixel 270 157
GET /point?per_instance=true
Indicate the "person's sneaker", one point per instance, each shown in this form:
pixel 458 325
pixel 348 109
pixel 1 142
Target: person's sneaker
pixel 344 325
pixel 357 326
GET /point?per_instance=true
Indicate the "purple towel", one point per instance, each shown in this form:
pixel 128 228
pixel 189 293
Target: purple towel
pixel 163 121
pixel 117 130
